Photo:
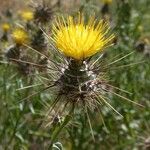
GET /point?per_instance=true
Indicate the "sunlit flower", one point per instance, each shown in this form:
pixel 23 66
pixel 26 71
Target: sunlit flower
pixel 79 40
pixel 27 15
pixel 107 1
pixel 5 27
pixel 20 36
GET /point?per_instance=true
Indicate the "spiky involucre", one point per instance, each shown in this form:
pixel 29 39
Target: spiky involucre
pixel 78 40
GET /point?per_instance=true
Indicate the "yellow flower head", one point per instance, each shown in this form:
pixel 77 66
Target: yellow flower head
pixel 107 1
pixel 5 27
pixel 27 15
pixel 79 40
pixel 20 36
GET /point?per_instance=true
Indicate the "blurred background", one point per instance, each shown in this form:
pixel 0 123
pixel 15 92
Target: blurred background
pixel 20 120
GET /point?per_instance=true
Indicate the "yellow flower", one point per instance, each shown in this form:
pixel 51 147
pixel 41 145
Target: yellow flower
pixel 27 15
pixel 107 1
pixel 79 40
pixel 5 27
pixel 20 36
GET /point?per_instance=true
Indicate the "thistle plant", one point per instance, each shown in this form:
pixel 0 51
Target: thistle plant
pixel 79 77
pixel 80 81
pixel 27 15
pixel 19 37
pixel 43 12
pixel 37 18
pixel 62 65
pixel 5 28
pixel 17 53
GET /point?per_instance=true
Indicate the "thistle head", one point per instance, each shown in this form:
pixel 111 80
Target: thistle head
pixel 5 27
pixel 80 82
pixel 107 1
pixel 20 36
pixel 27 15
pixel 78 40
pixel 42 13
pixel 39 41
pixel 12 52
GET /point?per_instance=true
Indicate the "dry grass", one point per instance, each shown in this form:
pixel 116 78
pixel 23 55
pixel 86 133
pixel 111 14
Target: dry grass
pixel 10 4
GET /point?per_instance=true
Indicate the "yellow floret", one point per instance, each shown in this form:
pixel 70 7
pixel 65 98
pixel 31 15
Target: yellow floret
pixel 20 36
pixel 5 27
pixel 79 40
pixel 107 1
pixel 27 15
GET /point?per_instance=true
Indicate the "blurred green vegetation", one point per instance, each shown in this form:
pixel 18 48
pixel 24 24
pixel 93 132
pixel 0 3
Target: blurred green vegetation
pixel 20 122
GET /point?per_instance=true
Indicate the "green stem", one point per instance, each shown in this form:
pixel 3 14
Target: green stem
pixel 59 129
